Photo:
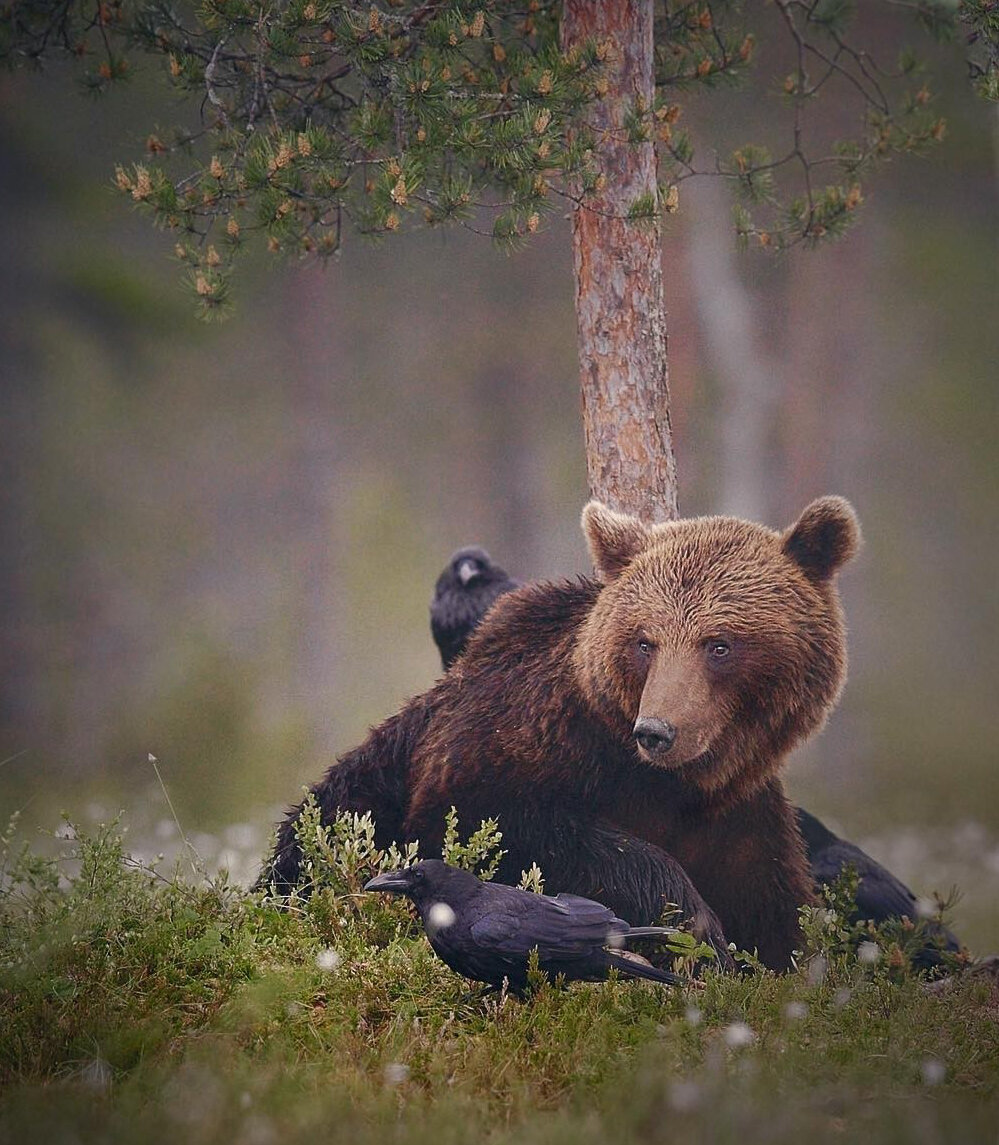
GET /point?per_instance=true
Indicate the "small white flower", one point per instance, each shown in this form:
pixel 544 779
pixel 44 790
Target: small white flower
pixel 395 1073
pixel 257 1130
pixel 615 940
pixel 925 908
pixel 868 952
pixel 241 836
pixel 684 1095
pixel 817 971
pixel 693 1016
pixel 795 1011
pixel 439 917
pixel 737 1035
pixel 204 844
pixel 96 1074
pixel 841 997
pixel 934 1071
pixel 328 959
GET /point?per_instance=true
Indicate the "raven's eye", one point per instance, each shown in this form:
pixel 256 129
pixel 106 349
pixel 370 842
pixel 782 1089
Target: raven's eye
pixel 718 649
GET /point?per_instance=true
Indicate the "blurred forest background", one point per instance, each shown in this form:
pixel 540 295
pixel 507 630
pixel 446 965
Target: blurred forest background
pixel 219 542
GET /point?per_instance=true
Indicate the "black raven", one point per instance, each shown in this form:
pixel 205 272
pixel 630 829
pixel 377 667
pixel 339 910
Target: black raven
pixel 880 895
pixel 486 931
pixel 464 593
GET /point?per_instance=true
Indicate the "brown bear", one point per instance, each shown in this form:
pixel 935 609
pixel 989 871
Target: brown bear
pixel 628 731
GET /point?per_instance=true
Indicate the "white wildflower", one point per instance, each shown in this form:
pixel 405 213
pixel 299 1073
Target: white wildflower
pixel 684 1095
pixel 817 971
pixel 795 1011
pixel 328 959
pixel 439 917
pixel 868 953
pixel 925 907
pixel 934 1071
pixel 395 1073
pixel 96 1074
pixel 242 836
pixel 257 1130
pixel 737 1035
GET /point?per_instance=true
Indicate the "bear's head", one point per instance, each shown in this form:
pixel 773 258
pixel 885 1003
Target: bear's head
pixel 715 644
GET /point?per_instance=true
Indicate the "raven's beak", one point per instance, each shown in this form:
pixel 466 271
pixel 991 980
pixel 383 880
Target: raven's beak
pixel 467 572
pixel 394 882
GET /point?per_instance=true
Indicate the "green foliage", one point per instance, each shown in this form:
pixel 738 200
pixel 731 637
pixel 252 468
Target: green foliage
pixel 981 21
pixel 337 860
pixel 102 963
pixel 688 951
pixel 173 1006
pixel 532 880
pixel 701 45
pixel 840 945
pixel 322 114
pixel 481 854
pixel 319 115
pixel 343 856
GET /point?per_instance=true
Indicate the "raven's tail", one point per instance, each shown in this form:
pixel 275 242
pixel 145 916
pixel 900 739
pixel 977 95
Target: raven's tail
pixel 633 966
pixel 662 932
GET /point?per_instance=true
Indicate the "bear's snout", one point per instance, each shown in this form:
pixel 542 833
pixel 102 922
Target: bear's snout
pixel 654 736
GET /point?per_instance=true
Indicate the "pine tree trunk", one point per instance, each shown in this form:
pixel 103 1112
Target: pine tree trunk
pixel 620 306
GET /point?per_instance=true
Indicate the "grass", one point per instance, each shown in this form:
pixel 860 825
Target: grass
pixel 143 1006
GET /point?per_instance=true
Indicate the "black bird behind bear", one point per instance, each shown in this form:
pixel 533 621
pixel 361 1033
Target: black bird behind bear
pixel 486 931
pixel 464 593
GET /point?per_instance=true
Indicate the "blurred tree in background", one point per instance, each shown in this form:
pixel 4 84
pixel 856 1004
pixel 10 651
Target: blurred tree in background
pixel 220 542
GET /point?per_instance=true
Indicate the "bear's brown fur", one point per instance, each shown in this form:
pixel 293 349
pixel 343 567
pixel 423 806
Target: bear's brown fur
pixel 724 637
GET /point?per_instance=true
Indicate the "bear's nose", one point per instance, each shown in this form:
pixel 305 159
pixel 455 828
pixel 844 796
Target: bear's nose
pixel 654 735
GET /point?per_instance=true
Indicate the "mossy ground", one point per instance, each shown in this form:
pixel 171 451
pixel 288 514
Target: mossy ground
pixel 142 1006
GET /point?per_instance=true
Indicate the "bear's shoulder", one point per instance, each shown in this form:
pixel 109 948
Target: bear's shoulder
pixel 538 615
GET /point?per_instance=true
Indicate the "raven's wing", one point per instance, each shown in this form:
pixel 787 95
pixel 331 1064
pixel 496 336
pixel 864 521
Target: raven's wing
pixel 561 927
pixel 880 895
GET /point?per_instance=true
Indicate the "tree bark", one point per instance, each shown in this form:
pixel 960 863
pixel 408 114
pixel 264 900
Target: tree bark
pixel 620 305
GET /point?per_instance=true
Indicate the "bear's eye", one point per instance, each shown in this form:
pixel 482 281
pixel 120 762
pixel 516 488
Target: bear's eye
pixel 718 649
pixel 644 647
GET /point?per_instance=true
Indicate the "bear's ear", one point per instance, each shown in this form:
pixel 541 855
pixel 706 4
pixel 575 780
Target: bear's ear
pixel 825 536
pixel 614 538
